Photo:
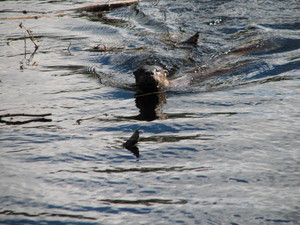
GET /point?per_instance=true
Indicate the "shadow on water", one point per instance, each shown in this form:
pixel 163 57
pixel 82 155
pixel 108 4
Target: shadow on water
pixel 150 106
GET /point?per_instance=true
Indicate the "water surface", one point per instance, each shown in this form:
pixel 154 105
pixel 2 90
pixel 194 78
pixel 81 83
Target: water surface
pixel 220 151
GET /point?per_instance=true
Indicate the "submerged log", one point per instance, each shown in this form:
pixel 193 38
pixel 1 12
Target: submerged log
pixel 10 122
pixel 102 7
pixel 97 8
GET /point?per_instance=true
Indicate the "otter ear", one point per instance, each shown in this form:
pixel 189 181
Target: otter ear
pixel 137 72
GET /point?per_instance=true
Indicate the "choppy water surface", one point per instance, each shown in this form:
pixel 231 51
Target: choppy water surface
pixel 221 151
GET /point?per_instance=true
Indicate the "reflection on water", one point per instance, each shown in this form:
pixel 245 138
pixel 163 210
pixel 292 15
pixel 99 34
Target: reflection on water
pixel 219 148
pixel 150 105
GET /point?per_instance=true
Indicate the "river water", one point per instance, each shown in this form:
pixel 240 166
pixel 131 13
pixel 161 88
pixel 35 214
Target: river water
pixel 220 151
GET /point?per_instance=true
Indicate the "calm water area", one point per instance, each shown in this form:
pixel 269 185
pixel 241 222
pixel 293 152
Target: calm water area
pixel 222 150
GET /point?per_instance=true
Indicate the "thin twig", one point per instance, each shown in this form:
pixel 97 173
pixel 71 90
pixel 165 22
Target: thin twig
pixel 69 47
pixel 29 32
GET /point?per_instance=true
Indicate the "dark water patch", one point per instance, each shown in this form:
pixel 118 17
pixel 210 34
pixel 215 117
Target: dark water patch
pixel 44 214
pixel 41 138
pixel 147 202
pixel 280 221
pixel 150 169
pixel 134 210
pixel 278 45
pixel 174 138
pixel 72 69
pixel 239 180
pixel 285 26
pixel 139 170
pixel 278 78
pixel 180 150
pixel 145 22
pixel 75 182
pixel 69 171
pixel 62 158
pixel 224 20
pixel 155 128
pixel 116 94
pixel 78 90
pixel 21 150
pixel 202 115
pixel 43 221
pixel 277 70
pixel 164 128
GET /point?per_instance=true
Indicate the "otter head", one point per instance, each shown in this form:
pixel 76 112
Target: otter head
pixel 151 78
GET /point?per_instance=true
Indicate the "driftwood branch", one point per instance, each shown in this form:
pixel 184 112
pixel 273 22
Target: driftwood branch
pixel 102 7
pixel 97 8
pixel 24 114
pixel 9 122
pixel 25 121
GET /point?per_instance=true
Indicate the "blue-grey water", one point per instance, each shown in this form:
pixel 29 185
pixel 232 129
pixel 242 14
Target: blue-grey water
pixel 220 151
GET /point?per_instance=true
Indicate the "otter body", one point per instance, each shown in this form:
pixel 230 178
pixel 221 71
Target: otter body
pixel 151 78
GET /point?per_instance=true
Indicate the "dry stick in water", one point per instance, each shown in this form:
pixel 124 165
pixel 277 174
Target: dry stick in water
pixel 26 121
pixel 31 37
pixel 29 32
pixel 24 114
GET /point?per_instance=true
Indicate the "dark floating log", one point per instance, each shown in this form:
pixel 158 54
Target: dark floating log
pixel 10 122
pixel 102 7
pixel 146 202
pixel 97 8
pixel 130 144
pixel 24 114
pixel 31 215
pixel 25 121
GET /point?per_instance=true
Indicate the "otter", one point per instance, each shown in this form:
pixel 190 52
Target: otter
pixel 153 78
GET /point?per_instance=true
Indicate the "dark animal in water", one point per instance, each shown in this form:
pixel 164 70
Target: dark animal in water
pixel 152 78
